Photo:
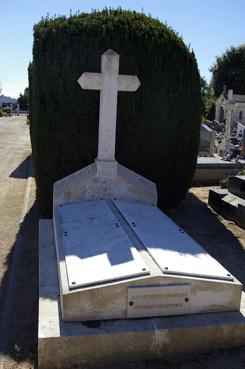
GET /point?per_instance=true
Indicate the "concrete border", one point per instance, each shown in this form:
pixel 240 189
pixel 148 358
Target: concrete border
pixel 70 345
pixel 210 170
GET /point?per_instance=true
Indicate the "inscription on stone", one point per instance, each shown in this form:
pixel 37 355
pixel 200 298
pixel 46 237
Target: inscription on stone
pixel 169 299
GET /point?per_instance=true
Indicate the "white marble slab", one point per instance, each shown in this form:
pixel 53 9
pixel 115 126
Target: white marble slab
pixel 97 249
pixel 172 249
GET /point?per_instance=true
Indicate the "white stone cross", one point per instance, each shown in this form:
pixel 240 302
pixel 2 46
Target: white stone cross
pixel 109 82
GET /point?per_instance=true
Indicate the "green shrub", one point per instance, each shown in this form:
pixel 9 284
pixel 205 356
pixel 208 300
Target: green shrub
pixel 157 126
pixel 4 112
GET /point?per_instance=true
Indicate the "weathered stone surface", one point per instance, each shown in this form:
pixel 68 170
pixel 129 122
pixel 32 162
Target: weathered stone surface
pixel 215 196
pixel 86 184
pixel 228 205
pixel 210 170
pixel 207 137
pixel 63 345
pixel 236 185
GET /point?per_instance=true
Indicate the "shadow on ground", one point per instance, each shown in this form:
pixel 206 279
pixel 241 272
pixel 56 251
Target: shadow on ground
pixel 22 170
pixel 202 224
pixel 21 335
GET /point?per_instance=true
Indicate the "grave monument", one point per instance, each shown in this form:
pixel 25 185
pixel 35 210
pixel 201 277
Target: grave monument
pixel 207 141
pixel 118 256
pixel 230 201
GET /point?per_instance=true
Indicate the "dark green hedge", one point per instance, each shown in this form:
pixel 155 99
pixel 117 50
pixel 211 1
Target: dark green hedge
pixel 157 126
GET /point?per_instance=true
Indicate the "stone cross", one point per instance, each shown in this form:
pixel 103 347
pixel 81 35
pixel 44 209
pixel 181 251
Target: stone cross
pixel 109 82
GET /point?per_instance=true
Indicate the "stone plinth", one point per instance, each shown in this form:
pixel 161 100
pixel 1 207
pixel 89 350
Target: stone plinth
pixel 63 345
pixel 230 203
pixel 236 185
pixel 111 181
pixel 210 170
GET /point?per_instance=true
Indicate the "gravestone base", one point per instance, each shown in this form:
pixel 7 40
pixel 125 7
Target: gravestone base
pixel 230 203
pixel 211 170
pixel 85 345
pixel 105 180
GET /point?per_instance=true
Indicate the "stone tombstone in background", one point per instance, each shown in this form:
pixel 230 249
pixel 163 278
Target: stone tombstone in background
pixel 207 141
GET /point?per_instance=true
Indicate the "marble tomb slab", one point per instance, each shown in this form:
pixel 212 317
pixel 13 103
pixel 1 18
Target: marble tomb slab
pixel 173 250
pixel 92 237
pixel 108 247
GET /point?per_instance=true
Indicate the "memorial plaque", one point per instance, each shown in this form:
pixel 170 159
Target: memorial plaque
pixel 169 299
pixel 172 249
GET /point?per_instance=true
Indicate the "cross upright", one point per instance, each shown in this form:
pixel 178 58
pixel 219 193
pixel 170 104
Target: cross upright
pixel 109 82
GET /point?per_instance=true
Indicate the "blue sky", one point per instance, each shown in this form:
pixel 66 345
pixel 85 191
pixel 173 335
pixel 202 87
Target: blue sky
pixel 209 26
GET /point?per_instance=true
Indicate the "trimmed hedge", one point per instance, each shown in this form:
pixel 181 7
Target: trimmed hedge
pixel 157 126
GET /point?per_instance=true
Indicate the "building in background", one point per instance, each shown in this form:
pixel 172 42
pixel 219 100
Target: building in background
pixel 7 101
pixel 230 107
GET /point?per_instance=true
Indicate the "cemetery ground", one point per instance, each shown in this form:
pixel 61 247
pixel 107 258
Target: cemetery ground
pixel 19 257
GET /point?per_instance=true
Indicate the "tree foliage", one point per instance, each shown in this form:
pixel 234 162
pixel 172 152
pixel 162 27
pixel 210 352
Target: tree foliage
pixel 23 99
pixel 157 126
pixel 229 71
pixel 207 98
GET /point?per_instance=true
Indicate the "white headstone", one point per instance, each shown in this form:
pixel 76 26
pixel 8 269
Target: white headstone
pixel 106 178
pixel 109 82
pixel 207 141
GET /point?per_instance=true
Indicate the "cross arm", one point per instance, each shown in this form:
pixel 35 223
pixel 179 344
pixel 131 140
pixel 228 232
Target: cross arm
pixel 128 83
pixel 90 81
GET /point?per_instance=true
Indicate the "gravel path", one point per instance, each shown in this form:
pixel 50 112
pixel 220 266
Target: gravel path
pixel 17 244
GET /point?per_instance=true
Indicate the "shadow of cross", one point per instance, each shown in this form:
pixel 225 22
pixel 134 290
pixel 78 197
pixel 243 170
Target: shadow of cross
pixel 96 246
pixel 91 229
pixel 109 82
